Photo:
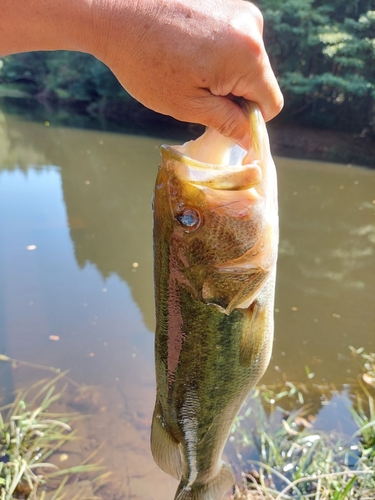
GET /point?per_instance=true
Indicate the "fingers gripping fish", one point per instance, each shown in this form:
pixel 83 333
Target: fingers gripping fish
pixel 215 251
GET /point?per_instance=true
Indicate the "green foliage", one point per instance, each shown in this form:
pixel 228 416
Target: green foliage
pixel 324 56
pixel 62 75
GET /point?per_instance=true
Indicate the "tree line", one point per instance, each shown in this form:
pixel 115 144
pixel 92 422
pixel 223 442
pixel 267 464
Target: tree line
pixel 323 54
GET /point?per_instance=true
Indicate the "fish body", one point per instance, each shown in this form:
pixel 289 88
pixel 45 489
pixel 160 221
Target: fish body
pixel 215 251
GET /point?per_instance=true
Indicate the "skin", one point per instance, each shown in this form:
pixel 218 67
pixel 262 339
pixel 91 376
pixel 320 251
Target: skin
pixel 178 57
pixel 215 250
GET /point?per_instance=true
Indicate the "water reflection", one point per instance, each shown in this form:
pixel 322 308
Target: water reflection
pixel 16 149
pixel 326 265
pixel 107 190
pixel 83 198
pixel 107 181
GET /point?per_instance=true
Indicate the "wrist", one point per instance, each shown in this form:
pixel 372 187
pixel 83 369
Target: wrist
pixel 116 28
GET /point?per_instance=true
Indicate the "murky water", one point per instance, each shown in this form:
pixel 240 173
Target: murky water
pixel 76 289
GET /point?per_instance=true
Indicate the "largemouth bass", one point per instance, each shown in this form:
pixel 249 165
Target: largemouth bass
pixel 215 251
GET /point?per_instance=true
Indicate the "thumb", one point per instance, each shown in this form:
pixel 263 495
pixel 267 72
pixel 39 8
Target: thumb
pixel 227 117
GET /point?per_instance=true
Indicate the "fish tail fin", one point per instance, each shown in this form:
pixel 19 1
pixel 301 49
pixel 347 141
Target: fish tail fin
pixel 165 449
pixel 213 490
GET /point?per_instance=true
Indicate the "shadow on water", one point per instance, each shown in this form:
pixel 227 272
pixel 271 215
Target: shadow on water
pixel 325 287
pixel 107 186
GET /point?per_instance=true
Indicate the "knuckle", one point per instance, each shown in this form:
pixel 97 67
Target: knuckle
pixel 257 15
pixel 256 46
pixel 221 87
pixel 241 88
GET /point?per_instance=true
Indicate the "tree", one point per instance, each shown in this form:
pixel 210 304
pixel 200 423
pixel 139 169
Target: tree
pixel 62 75
pixel 324 55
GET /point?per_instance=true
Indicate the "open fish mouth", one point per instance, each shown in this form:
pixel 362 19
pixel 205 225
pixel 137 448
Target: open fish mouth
pixel 223 176
pixel 219 163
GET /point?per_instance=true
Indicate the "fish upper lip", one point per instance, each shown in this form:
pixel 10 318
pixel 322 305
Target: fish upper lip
pixel 172 153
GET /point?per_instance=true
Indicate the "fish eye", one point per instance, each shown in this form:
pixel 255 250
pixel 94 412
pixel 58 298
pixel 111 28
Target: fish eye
pixel 189 219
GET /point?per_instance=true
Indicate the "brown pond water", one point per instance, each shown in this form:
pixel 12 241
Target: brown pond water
pixel 76 265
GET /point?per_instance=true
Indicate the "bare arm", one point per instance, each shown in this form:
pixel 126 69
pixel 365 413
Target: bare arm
pixel 177 57
pixel 28 25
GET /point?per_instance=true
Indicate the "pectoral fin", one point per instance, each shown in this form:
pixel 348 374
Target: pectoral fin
pixel 165 449
pixel 254 332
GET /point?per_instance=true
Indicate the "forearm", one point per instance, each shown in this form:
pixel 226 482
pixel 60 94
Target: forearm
pixel 28 25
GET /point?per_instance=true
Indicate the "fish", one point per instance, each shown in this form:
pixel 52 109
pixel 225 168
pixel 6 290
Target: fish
pixel 215 251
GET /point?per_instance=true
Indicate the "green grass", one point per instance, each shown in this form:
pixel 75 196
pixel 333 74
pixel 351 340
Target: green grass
pixel 29 435
pixel 297 461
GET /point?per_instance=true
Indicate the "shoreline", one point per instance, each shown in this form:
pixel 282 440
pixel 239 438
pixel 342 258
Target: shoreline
pixel 294 141
pixel 287 139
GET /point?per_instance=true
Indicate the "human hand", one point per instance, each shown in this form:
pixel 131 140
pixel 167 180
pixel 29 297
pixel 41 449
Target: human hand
pixel 185 57
pixel 178 57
